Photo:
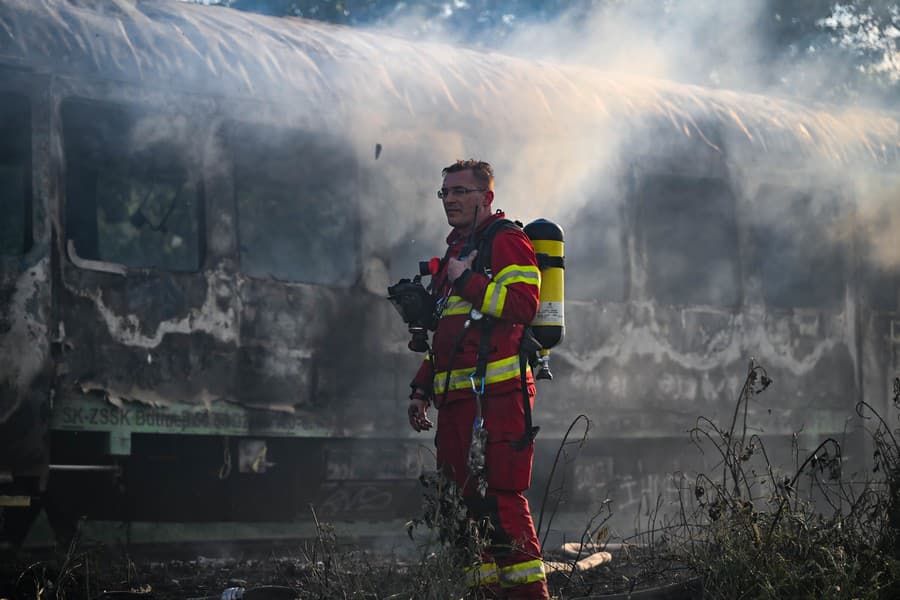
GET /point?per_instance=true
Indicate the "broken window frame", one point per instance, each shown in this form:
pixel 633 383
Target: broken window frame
pixel 120 162
pixel 822 293
pixel 596 248
pixel 659 281
pixel 878 278
pixel 238 138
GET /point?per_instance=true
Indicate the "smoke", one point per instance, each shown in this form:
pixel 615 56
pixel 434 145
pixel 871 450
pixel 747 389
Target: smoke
pixel 555 170
pixel 695 41
pixel 606 87
pixel 875 224
pixel 752 46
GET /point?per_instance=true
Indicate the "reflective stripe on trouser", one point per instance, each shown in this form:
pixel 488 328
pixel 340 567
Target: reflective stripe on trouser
pixel 497 371
pixel 521 573
pixel 513 540
pixel 514 544
pixel 486 574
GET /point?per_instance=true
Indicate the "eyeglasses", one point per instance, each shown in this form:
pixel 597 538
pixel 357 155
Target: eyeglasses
pixel 457 190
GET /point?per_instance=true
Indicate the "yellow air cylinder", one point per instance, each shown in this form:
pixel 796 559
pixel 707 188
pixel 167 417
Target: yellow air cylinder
pixel 549 325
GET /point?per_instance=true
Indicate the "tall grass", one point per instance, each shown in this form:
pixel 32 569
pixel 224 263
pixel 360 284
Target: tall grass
pixel 755 531
pixel 748 528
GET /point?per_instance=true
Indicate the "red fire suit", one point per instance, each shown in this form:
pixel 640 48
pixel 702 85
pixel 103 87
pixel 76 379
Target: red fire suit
pixel 508 293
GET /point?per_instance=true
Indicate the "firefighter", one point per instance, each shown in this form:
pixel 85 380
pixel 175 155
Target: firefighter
pixel 474 376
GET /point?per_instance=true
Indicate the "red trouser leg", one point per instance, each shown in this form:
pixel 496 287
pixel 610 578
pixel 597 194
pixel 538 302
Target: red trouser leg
pixel 514 544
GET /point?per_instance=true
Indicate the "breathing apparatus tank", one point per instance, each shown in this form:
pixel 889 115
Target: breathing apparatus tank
pixel 549 323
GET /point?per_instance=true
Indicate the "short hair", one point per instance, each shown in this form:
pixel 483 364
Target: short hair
pixel 483 171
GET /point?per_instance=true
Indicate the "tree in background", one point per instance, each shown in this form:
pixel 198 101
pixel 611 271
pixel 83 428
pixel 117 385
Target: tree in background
pixel 484 19
pixel 837 51
pixel 856 43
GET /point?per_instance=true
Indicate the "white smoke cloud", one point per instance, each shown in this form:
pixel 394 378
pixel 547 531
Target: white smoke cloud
pixel 719 45
pixel 554 132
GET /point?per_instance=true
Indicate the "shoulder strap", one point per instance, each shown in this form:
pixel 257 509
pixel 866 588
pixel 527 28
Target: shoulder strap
pixel 486 244
pixel 528 345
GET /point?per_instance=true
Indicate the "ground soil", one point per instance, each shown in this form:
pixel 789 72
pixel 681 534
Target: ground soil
pixel 104 572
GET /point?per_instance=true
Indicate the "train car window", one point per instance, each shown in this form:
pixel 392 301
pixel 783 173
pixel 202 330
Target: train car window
pixel 793 249
pixel 881 284
pixel 688 231
pixel 878 246
pixel 133 186
pixel 295 194
pixel 15 175
pixel 594 255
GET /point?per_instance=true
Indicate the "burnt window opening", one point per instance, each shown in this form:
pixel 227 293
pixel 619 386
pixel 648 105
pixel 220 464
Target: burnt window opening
pixel 594 249
pixel 133 186
pixel 796 251
pixel 688 232
pixel 881 285
pixel 15 175
pixel 876 241
pixel 295 195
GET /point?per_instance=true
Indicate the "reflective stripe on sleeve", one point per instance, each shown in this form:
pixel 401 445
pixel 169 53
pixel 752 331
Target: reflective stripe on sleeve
pixel 522 573
pixel 485 574
pixel 497 371
pixel 495 293
pixel 519 274
pixel 494 299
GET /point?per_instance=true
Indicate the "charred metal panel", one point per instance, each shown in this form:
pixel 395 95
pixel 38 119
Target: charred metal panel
pixel 23 326
pixel 702 286
pixel 322 353
pixel 25 280
pixel 881 362
pixel 25 372
pixel 311 341
pixel 23 315
pixel 171 343
pixel 251 354
pixel 656 369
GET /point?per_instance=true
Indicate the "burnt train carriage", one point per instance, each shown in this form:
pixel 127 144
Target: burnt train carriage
pixel 198 232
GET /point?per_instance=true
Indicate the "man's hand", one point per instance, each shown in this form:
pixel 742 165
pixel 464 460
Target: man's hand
pixel 456 267
pixel 418 414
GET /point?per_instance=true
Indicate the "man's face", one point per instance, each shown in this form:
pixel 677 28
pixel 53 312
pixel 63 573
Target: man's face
pixel 464 193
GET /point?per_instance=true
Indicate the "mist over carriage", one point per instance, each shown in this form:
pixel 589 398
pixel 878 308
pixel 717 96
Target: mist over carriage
pixel 195 250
